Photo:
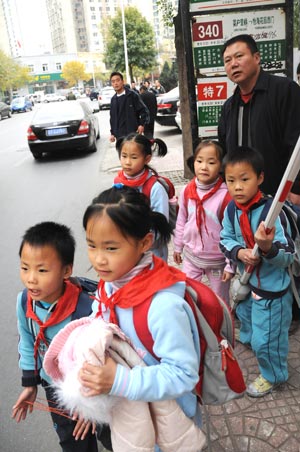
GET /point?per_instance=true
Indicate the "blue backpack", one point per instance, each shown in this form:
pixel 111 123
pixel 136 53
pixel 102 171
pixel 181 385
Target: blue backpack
pixel 84 305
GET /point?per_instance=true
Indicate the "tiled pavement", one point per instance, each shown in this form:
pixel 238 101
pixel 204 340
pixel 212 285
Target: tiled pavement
pixel 268 424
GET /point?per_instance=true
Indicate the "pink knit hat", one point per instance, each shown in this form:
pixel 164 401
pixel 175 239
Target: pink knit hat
pixel 85 339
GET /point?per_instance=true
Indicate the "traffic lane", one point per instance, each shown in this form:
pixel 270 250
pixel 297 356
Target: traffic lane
pixel 57 189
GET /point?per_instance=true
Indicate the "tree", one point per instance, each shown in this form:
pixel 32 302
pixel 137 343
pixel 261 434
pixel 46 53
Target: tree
pixel 140 43
pixel 12 74
pixel 73 71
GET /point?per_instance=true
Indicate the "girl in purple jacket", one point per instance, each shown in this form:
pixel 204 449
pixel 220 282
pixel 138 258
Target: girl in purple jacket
pixel 199 222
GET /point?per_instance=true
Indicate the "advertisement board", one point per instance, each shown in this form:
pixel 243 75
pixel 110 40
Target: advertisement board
pixel 211 94
pixel 215 5
pixel 266 26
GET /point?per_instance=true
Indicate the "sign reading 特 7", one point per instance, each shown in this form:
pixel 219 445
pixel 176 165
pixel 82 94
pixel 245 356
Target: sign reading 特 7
pixel 266 26
pixel 211 94
pixel 215 5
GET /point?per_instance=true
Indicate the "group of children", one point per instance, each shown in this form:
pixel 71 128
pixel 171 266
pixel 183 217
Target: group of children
pixel 125 232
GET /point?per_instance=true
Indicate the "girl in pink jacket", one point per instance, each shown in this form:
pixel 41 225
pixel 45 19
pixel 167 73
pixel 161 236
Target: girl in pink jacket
pixel 199 222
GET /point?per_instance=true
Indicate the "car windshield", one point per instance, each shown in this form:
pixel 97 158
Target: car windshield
pixel 17 100
pixel 65 110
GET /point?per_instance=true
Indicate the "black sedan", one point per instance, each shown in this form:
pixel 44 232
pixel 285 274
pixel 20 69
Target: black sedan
pixel 57 127
pixel 5 110
pixel 167 108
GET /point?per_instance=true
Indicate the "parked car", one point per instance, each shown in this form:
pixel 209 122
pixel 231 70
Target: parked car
pixel 68 126
pixel 105 96
pixel 92 103
pixel 178 116
pixel 53 97
pixel 94 94
pixel 167 108
pixel 5 110
pixel 21 104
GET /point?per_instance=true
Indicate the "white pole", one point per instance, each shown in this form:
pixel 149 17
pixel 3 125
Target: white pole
pixel 125 43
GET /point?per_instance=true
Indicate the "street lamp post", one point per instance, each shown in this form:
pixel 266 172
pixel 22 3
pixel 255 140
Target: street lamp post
pixel 125 43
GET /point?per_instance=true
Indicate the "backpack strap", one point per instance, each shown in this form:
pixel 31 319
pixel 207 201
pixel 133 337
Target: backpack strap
pixel 147 187
pixel 226 200
pixel 140 317
pixel 231 209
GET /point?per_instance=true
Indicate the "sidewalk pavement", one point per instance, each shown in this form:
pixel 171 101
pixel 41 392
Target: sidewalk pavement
pixel 267 424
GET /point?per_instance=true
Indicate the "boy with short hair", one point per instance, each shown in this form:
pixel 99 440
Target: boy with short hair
pixel 266 313
pixel 46 258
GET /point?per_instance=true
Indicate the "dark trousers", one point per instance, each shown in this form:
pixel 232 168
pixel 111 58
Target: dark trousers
pixel 149 130
pixel 64 428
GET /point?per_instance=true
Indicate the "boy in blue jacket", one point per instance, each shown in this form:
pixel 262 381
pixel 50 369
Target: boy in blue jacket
pixel 52 301
pixel 266 313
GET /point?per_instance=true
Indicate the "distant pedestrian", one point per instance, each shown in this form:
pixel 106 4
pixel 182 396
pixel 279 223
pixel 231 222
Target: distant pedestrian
pixel 159 88
pixel 128 113
pixel 150 87
pixel 149 100
pixel 133 87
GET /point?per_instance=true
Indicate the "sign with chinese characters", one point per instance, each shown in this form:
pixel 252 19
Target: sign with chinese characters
pixel 42 78
pixel 211 94
pixel 266 26
pixel 215 5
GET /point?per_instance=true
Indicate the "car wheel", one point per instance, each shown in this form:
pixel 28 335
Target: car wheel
pixel 37 155
pixel 0 117
pixel 98 134
pixel 9 114
pixel 93 148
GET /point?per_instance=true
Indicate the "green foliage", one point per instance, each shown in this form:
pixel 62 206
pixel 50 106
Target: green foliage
pixel 73 71
pixel 12 74
pixel 169 76
pixel 140 43
pixel 168 11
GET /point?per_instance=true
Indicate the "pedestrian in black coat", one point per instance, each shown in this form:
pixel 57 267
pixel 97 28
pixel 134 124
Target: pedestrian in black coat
pixel 149 100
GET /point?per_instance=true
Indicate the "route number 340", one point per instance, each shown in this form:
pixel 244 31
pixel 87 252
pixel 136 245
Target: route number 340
pixel 208 30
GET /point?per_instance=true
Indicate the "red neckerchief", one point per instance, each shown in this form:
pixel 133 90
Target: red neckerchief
pixel 191 192
pixel 244 219
pixel 136 182
pixel 144 285
pixel 65 306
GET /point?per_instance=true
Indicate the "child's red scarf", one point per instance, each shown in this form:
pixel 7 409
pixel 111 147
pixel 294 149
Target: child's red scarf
pixel 244 219
pixel 191 193
pixel 136 182
pixel 142 286
pixel 65 306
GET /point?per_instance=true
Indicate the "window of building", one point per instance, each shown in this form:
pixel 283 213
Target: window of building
pixel 58 66
pixel 92 8
pixel 31 68
pixel 45 67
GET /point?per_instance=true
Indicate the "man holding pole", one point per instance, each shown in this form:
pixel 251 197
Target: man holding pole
pixel 263 112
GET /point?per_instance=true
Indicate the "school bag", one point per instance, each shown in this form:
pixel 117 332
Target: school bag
pixel 292 213
pixel 85 300
pixel 220 376
pixel 170 189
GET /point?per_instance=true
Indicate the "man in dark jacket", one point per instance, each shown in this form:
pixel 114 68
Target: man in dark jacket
pixel 127 111
pixel 263 112
pixel 149 100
